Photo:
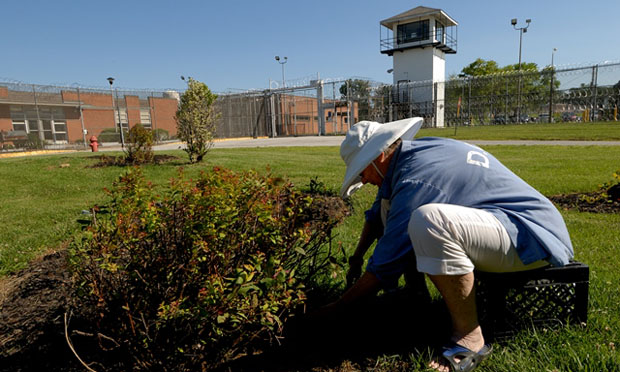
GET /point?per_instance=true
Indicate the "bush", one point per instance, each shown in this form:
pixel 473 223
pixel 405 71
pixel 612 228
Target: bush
pixel 203 272
pixel 110 135
pixel 139 146
pixel 196 118
pixel 161 134
pixel 32 142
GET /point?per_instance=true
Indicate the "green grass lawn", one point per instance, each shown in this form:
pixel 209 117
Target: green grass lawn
pixel 604 131
pixel 40 203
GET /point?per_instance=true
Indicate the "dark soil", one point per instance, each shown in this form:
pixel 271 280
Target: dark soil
pixel 34 303
pixel 592 202
pixel 119 161
pixel 32 307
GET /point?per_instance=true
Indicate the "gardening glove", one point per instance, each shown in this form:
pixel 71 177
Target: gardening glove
pixel 355 270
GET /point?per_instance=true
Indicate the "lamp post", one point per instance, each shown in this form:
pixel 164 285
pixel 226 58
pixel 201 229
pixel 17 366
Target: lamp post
pixel 551 86
pixel 111 81
pixel 521 30
pixel 282 62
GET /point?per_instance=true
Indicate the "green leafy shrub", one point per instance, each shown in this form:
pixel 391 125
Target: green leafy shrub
pixel 110 135
pixel 202 272
pixel 161 134
pixel 31 142
pixel 139 146
pixel 196 118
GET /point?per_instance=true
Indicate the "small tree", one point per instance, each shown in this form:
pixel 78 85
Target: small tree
pixel 196 119
pixel 139 149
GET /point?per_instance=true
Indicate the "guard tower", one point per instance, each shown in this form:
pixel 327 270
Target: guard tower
pixel 418 40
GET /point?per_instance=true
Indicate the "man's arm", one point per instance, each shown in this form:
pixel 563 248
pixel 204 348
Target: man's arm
pixel 367 285
pixel 370 233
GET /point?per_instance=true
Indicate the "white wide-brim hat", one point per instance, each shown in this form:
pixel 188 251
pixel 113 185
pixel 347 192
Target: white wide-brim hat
pixel 365 141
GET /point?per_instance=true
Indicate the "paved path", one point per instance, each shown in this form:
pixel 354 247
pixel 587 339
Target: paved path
pixel 310 141
pixel 337 140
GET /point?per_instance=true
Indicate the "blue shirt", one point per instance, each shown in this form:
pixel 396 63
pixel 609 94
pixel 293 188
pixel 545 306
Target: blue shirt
pixel 438 170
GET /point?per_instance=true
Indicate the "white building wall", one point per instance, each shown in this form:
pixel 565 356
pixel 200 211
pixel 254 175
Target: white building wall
pixel 413 64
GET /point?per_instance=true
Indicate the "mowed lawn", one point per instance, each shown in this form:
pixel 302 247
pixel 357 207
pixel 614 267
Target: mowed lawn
pixel 40 201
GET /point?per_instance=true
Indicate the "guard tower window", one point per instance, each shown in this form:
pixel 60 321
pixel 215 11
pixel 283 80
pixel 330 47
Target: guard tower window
pixel 414 31
pixel 440 32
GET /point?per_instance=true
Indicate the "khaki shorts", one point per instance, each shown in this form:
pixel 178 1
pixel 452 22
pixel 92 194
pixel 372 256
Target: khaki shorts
pixel 453 240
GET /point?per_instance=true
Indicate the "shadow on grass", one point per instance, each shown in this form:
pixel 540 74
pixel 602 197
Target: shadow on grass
pixel 391 324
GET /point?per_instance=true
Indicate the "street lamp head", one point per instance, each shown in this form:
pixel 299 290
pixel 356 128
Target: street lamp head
pixel 513 21
pixel 182 77
pixel 528 21
pixel 390 71
pixel 278 58
pixel 111 80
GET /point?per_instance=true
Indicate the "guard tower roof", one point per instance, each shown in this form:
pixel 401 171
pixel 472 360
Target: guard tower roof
pixel 417 13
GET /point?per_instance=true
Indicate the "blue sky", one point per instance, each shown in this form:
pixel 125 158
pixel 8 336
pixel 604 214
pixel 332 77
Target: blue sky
pixel 231 44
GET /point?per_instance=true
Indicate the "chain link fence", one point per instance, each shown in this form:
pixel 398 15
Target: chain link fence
pixel 37 116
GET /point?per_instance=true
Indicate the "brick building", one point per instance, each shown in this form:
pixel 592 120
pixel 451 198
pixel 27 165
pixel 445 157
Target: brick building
pixel 65 115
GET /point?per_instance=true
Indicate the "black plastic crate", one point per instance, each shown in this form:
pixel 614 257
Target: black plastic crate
pixel 546 297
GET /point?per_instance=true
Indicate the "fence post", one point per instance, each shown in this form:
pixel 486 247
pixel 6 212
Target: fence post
pixel 320 108
pixel 36 107
pixel 81 118
pixel 551 93
pixel 350 108
pixel 273 118
pixel 594 86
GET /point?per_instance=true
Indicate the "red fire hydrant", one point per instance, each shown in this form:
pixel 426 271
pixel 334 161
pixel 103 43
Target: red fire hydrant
pixel 94 145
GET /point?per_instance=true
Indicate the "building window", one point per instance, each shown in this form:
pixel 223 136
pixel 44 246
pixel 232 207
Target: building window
pixel 48 123
pixel 19 125
pixel 440 32
pixel 414 31
pixel 60 130
pixel 122 115
pixel 145 118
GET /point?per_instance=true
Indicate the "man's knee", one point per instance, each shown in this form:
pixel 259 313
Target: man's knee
pixel 435 242
pixel 425 225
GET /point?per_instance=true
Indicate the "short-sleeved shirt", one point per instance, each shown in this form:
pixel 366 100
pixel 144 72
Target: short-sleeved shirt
pixel 438 170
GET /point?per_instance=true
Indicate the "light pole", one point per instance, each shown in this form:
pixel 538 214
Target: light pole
pixel 551 86
pixel 521 30
pixel 111 81
pixel 282 62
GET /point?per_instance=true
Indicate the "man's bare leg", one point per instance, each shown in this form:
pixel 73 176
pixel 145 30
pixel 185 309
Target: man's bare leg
pixel 460 297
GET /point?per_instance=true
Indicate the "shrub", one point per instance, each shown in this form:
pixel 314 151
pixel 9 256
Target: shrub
pixel 139 146
pixel 31 142
pixel 203 272
pixel 110 135
pixel 196 118
pixel 161 134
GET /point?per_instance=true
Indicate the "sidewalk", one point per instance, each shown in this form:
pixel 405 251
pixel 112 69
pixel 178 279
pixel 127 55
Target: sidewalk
pixel 310 141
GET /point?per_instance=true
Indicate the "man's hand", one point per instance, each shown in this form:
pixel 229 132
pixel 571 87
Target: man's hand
pixel 355 270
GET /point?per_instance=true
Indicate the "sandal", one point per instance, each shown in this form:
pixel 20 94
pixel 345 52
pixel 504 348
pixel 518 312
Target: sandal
pixel 468 359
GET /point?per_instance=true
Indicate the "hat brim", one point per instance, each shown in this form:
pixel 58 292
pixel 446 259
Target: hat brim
pixel 380 140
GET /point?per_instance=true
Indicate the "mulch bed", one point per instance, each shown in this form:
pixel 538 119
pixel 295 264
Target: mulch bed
pixel 588 202
pixel 33 306
pixel 119 161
